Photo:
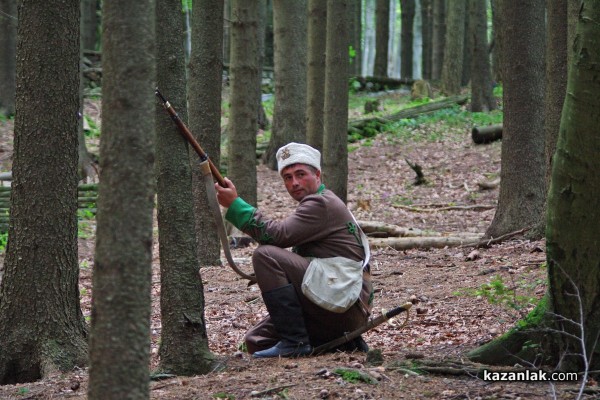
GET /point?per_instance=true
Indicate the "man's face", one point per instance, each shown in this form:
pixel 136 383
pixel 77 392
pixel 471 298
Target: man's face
pixel 301 180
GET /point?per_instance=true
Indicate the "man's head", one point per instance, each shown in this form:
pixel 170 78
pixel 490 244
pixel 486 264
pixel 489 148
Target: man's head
pixel 300 168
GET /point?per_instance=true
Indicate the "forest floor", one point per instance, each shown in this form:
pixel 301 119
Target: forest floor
pixel 456 307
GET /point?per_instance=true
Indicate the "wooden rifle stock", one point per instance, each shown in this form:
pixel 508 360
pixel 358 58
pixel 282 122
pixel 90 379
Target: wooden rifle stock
pixel 185 132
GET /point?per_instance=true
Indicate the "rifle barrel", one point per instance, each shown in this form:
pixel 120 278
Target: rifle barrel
pixel 185 132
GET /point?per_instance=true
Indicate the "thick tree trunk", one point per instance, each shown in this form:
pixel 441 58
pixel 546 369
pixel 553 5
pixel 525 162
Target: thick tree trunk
pixel 523 190
pixel 205 82
pixel 122 280
pixel 245 78
pixel 453 53
pixel 572 237
pixel 42 329
pixel 289 113
pixel 335 144
pixel 317 37
pixel 556 73
pixel 8 42
pixel 382 36
pixel 438 39
pixel 183 345
pixel 564 328
pixel 408 18
pixel 427 37
pixel 482 97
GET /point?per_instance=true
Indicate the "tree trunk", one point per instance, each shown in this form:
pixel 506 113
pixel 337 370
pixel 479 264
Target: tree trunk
pixel 482 96
pixel 369 41
pixel 42 329
pixel 523 190
pixel 205 77
pixel 438 39
pixel 183 342
pixel 486 134
pixel 8 42
pixel 289 112
pixel 122 280
pixel 335 146
pixel 427 37
pixel 408 19
pixel 453 53
pixel 355 29
pixel 564 327
pixel 317 37
pixel 572 241
pixel 382 37
pixel 556 73
pixel 244 82
pixel 89 24
pixel 496 45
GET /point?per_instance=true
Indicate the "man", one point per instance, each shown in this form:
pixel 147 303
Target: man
pixel 321 232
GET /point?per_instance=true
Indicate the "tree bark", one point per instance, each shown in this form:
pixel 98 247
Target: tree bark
pixel 42 329
pixel 438 39
pixel 453 53
pixel 183 345
pixel 572 241
pixel 245 78
pixel 382 36
pixel 335 143
pixel 8 42
pixel 317 37
pixel 122 280
pixel 556 74
pixel 482 97
pixel 205 82
pixel 289 113
pixel 523 191
pixel 427 35
pixel 563 329
pixel 408 18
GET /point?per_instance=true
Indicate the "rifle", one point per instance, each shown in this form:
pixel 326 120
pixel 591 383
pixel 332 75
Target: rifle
pixel 185 132
pixel 356 333
pixel 209 171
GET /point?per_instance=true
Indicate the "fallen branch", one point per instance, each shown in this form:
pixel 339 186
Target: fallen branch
pixel 256 393
pixel 490 241
pixel 382 229
pixel 424 242
pixel 488 185
pixel 477 207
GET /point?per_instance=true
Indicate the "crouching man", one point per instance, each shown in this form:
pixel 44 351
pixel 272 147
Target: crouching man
pixel 322 288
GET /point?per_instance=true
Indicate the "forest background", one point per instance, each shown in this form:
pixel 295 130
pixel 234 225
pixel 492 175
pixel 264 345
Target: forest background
pixel 42 327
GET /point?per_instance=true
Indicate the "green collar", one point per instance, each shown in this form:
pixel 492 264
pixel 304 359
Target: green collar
pixel 321 189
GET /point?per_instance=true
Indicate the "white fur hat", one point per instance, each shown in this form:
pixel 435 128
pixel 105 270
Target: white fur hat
pixel 298 153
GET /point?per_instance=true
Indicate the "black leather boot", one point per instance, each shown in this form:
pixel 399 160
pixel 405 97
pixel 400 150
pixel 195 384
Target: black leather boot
pixel 285 312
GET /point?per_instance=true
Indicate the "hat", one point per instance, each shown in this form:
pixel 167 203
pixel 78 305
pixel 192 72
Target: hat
pixel 298 153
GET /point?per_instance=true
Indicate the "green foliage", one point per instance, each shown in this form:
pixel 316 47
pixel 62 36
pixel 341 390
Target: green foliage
pixel 223 395
pixel 354 376
pixel 186 5
pixel 351 54
pixel 94 131
pixel 85 217
pixel 3 241
pixel 497 292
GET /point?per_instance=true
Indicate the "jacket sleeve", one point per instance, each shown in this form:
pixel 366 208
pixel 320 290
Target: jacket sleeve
pixel 306 224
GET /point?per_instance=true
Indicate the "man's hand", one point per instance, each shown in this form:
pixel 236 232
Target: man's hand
pixel 226 195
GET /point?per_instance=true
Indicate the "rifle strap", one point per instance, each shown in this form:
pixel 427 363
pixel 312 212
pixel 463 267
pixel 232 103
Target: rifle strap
pixel 216 210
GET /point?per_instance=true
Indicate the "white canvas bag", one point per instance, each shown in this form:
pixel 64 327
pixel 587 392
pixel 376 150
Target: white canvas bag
pixel 335 283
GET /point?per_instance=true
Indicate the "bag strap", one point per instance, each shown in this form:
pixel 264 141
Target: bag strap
pixel 365 241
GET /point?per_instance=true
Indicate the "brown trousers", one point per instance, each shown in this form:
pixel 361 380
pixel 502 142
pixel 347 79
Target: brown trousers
pixel 276 267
